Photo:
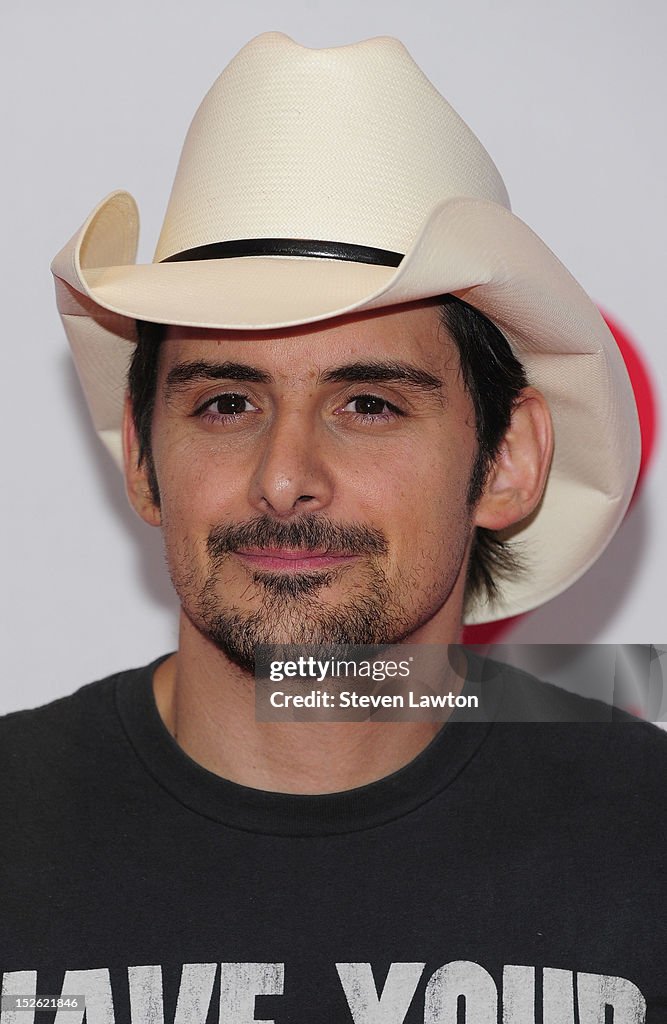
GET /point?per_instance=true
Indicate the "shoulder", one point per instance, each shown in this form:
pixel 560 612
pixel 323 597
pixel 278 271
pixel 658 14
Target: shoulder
pixel 64 735
pixel 602 752
pixel 526 698
pixel 68 771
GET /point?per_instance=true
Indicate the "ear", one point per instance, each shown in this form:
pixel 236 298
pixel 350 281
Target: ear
pixel 136 477
pixel 518 477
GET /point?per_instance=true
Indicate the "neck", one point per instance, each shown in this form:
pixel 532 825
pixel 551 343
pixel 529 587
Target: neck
pixel 208 705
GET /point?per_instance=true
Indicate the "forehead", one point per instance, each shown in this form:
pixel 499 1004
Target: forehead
pixel 411 333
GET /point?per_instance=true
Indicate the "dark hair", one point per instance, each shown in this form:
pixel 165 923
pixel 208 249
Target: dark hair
pixel 141 385
pixel 491 374
pixel 494 378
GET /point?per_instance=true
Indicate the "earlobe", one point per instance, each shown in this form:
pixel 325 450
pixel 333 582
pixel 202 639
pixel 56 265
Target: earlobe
pixel 518 477
pixel 136 477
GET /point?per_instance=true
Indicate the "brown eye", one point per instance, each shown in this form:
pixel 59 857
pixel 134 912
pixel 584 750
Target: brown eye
pixel 372 407
pixel 228 405
pixel 369 405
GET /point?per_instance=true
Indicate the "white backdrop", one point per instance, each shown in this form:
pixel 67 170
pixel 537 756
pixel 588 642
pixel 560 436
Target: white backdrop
pixel 569 100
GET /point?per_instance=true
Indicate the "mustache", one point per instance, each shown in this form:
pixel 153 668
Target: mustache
pixel 307 533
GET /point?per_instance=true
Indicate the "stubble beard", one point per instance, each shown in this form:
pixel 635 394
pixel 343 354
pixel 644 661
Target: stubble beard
pixel 290 608
pixel 292 612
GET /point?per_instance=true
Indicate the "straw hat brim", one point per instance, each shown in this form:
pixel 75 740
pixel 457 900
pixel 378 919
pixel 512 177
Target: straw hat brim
pixel 472 248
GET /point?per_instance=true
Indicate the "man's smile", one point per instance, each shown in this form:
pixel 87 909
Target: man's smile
pixel 292 559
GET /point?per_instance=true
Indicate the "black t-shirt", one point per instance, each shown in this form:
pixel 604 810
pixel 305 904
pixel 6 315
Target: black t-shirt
pixel 513 871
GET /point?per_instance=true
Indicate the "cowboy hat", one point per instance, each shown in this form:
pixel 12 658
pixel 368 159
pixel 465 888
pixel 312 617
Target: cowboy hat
pixel 316 183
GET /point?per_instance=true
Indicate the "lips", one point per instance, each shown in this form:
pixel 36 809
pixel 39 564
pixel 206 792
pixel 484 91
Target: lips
pixel 292 559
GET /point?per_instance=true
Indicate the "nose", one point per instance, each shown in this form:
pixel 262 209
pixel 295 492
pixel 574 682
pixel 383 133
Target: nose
pixel 292 475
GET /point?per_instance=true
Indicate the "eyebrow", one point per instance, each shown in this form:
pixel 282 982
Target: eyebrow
pixel 181 376
pixel 383 372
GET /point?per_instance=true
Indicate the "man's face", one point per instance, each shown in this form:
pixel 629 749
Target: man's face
pixel 313 481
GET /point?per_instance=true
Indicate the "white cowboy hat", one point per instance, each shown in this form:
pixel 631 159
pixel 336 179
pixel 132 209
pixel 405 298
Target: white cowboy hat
pixel 315 183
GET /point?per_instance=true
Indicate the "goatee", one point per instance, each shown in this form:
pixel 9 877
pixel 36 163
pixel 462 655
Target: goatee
pixel 292 611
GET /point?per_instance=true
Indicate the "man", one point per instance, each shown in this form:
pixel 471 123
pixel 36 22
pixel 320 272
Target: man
pixel 359 389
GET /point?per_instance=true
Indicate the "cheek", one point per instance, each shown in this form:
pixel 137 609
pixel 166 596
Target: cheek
pixel 189 498
pixel 196 484
pixel 428 491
